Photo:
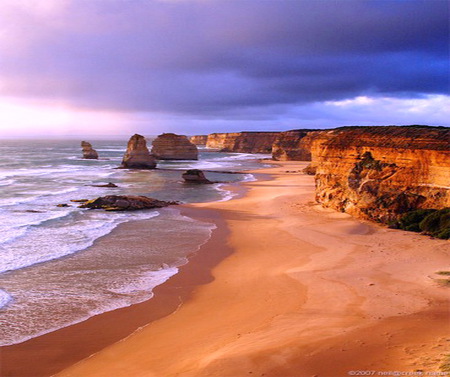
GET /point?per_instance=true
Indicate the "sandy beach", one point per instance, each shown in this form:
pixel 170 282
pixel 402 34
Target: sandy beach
pixel 285 288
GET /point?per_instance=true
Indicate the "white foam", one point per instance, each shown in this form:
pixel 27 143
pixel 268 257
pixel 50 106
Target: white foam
pixel 5 298
pixel 249 178
pixel 95 290
pixel 7 182
pixel 226 194
pixel 16 223
pixel 139 289
pixel 147 281
pixel 35 196
pixel 43 244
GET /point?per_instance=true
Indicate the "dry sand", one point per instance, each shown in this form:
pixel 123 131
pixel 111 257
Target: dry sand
pixel 306 292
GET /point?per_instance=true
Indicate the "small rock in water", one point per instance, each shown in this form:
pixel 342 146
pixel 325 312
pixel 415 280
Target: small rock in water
pixel 125 203
pixel 79 200
pixel 109 184
pixel 62 205
pixel 195 176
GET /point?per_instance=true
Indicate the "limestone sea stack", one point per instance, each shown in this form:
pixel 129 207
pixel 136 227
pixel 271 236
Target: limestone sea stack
pixel 89 152
pixel 169 146
pixel 137 155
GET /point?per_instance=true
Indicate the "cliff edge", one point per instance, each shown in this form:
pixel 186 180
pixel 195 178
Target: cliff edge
pixel 294 145
pixel 242 142
pixel 198 139
pixel 381 172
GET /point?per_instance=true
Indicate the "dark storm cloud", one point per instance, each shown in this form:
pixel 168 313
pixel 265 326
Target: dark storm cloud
pixel 210 57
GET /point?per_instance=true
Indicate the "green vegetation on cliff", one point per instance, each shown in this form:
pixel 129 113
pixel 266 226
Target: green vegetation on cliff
pixel 429 221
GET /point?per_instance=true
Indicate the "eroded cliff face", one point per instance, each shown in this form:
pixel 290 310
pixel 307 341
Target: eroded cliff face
pixel 381 172
pixel 198 139
pixel 243 142
pixel 293 145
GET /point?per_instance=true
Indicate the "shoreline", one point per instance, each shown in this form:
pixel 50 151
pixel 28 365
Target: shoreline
pixel 296 290
pixel 49 353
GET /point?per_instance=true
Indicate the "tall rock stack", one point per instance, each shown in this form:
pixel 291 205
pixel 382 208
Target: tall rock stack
pixel 89 152
pixel 169 146
pixel 137 155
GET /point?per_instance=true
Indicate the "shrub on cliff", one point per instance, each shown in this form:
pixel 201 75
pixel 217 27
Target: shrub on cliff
pixel 437 224
pixel 411 220
pixel 430 221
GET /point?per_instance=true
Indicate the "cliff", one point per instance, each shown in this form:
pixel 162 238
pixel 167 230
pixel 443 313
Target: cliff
pixel 169 146
pixel 88 152
pixel 381 172
pixel 243 142
pixel 293 145
pixel 137 155
pixel 198 139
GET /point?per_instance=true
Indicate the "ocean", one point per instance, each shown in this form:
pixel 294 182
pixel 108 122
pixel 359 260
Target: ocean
pixel 51 273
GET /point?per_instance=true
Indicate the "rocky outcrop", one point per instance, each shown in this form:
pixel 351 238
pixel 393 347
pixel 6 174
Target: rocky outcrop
pixel 125 203
pixel 242 142
pixel 88 152
pixel 109 184
pixel 195 176
pixel 137 155
pixel 293 145
pixel 198 139
pixel 170 146
pixel 380 173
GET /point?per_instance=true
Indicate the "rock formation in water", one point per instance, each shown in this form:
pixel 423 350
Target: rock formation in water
pixel 198 139
pixel 293 145
pixel 243 142
pixel 89 152
pixel 170 146
pixel 109 185
pixel 137 155
pixel 125 203
pixel 380 173
pixel 195 176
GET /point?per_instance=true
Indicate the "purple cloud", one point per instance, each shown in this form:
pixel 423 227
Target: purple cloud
pixel 222 58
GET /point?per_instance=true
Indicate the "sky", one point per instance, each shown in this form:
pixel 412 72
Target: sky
pixel 94 67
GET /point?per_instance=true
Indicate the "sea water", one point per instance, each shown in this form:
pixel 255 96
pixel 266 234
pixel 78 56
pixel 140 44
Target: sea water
pixel 54 270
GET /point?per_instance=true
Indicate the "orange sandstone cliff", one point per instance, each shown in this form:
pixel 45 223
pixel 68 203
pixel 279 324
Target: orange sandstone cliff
pixel 198 139
pixel 294 145
pixel 379 173
pixel 243 142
